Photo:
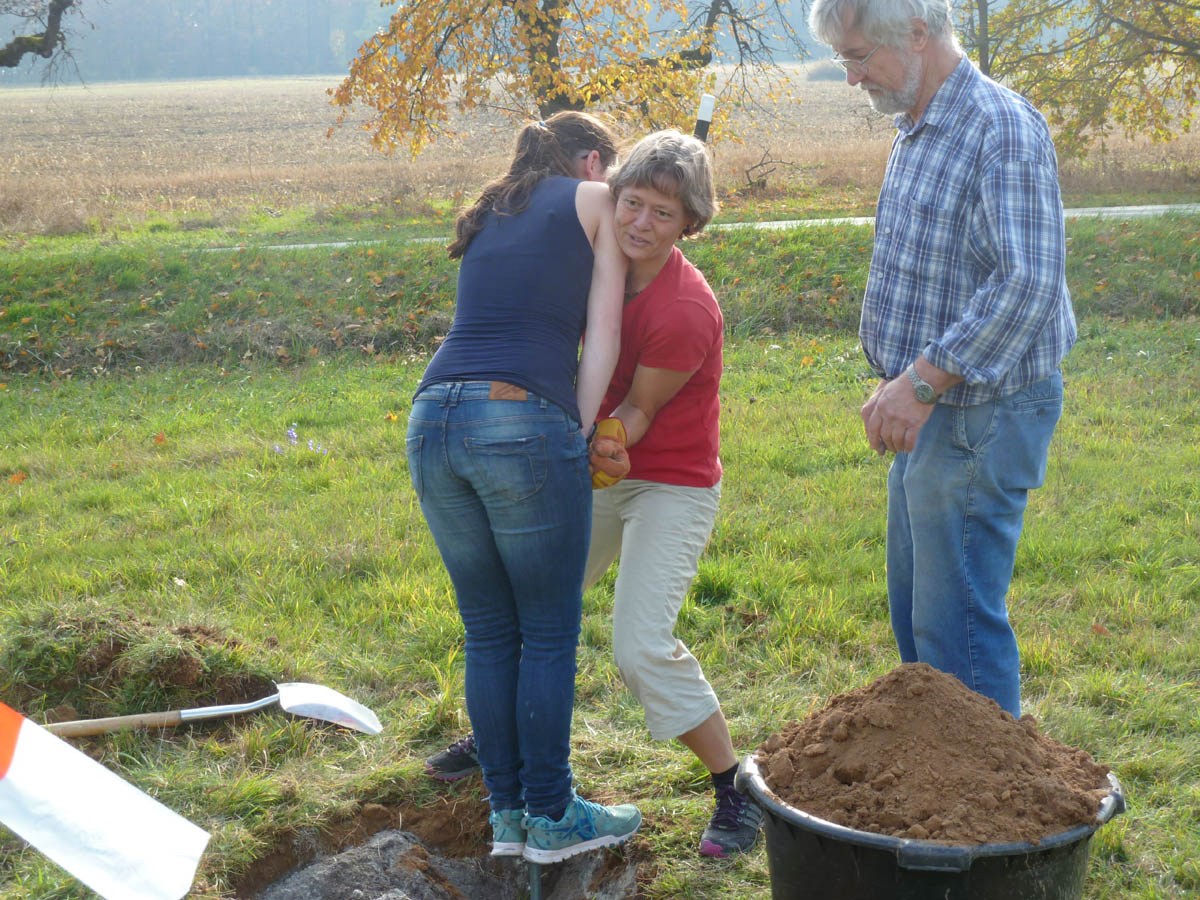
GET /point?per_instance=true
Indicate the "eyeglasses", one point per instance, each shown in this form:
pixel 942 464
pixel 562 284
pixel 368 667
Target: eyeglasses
pixel 857 66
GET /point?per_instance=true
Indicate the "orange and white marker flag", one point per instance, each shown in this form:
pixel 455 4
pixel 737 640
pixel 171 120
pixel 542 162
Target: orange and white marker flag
pixel 120 842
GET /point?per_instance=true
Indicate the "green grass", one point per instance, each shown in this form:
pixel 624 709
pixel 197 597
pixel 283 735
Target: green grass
pixel 75 308
pixel 162 541
pixel 75 311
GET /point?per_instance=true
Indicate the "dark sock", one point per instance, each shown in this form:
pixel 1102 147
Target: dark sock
pixel 724 779
pixel 555 815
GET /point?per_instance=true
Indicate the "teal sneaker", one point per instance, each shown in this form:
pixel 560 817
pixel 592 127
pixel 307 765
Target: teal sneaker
pixel 508 832
pixel 584 826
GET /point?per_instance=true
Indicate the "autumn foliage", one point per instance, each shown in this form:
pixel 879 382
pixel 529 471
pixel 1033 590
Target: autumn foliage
pixel 1096 67
pixel 639 61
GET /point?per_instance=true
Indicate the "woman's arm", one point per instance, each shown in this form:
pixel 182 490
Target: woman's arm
pixel 650 392
pixel 595 207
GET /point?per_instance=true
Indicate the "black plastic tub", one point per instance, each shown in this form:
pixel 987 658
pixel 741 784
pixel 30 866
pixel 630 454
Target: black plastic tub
pixel 811 858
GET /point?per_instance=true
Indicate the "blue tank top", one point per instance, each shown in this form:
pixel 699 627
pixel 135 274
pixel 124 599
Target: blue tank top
pixel 522 300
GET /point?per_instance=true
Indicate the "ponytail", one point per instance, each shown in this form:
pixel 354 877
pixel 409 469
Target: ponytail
pixel 543 148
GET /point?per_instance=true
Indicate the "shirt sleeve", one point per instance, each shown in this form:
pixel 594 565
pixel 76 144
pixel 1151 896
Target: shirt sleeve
pixel 1018 228
pixel 680 335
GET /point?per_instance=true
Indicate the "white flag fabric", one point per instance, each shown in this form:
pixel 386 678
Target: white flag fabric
pixel 119 841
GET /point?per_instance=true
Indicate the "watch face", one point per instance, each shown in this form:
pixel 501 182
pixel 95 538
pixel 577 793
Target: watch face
pixel 923 389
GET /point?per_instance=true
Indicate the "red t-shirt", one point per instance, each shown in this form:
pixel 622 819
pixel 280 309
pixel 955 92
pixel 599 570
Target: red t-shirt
pixel 675 323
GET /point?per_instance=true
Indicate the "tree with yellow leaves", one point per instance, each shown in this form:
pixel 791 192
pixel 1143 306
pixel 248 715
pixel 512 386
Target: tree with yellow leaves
pixel 643 62
pixel 1094 66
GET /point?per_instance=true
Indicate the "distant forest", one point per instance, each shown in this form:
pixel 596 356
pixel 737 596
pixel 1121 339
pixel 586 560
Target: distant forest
pixel 153 40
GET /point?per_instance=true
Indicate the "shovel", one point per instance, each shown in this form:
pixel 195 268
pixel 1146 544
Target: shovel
pixel 311 700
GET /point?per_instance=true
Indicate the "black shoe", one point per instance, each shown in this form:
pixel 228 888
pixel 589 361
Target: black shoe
pixel 457 761
pixel 734 826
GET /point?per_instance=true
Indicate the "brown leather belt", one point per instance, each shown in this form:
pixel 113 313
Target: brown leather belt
pixel 502 390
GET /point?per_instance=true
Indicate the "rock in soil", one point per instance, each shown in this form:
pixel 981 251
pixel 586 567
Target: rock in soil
pixel 916 754
pixel 395 865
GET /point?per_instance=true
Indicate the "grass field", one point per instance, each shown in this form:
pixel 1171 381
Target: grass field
pixel 165 543
pixel 162 541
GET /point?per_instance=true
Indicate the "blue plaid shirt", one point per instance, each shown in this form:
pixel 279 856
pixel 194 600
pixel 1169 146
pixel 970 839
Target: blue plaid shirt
pixel 969 256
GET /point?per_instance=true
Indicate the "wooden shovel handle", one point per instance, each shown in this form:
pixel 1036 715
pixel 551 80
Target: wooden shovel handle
pixel 115 723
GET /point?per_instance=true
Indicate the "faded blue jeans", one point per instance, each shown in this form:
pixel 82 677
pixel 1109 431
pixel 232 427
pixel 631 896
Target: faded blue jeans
pixel 956 505
pixel 504 486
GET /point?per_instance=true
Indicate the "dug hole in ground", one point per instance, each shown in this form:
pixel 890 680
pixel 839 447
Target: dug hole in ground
pixel 397 865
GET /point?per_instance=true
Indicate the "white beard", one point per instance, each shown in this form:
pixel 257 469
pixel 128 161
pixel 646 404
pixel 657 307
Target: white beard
pixel 893 102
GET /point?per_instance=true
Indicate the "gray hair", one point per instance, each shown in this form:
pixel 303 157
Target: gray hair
pixel 886 21
pixel 677 165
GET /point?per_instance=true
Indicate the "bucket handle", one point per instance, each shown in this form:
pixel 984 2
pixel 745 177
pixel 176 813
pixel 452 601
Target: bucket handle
pixel 926 857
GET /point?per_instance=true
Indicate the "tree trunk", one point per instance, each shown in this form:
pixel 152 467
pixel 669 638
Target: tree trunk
pixel 43 44
pixel 544 25
pixel 985 55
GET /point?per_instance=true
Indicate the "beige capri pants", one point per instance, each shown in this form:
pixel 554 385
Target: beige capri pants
pixel 659 531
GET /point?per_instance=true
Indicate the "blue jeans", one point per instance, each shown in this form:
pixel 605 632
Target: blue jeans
pixel 504 486
pixel 956 505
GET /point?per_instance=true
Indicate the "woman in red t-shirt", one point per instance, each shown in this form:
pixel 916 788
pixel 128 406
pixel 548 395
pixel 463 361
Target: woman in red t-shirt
pixel 664 392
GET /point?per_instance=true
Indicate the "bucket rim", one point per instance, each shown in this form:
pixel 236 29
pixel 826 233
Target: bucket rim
pixel 912 853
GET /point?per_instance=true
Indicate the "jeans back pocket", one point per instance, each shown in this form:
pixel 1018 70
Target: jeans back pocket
pixel 513 467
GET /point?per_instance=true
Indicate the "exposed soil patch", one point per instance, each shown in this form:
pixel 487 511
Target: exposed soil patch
pixel 916 754
pixel 396 865
pixel 457 828
pixel 69 666
pixel 442 854
pixel 240 687
pixel 297 848
pixel 453 828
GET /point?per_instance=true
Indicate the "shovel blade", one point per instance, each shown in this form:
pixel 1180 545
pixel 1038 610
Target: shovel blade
pixel 319 702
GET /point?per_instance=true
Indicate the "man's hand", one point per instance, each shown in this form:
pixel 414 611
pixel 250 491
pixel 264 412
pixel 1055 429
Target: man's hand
pixel 608 460
pixel 893 416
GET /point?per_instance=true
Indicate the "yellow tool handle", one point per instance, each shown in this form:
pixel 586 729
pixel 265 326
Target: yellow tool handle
pixel 115 723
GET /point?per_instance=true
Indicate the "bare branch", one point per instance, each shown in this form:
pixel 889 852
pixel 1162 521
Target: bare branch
pixel 1192 47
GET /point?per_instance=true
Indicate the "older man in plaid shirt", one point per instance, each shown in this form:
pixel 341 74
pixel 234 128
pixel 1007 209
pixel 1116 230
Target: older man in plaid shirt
pixel 966 319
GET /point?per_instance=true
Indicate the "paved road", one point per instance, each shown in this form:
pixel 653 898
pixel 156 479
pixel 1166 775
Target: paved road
pixel 1103 212
pixel 1099 212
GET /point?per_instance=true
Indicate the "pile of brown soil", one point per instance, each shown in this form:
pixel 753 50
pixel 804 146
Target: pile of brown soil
pixel 916 754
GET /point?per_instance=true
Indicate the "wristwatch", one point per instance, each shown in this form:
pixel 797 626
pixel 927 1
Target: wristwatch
pixel 922 388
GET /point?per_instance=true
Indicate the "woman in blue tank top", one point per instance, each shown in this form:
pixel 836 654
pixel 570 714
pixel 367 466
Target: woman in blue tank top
pixel 499 463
